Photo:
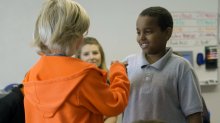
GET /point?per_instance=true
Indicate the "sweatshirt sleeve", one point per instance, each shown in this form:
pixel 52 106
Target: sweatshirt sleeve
pixel 98 97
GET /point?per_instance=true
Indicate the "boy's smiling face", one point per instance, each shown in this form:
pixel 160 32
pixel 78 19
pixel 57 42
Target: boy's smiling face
pixel 150 37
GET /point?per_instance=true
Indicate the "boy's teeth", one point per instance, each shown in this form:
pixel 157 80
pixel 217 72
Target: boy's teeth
pixel 143 45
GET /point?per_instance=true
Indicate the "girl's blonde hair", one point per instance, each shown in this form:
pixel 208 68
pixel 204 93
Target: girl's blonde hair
pixel 59 25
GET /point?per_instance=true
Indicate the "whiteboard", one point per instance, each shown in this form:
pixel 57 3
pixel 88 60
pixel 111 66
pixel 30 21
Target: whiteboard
pixel 197 31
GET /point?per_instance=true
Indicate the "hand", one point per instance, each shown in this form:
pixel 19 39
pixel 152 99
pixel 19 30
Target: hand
pixel 125 63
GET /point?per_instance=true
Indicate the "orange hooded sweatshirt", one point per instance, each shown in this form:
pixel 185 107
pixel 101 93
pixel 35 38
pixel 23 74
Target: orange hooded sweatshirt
pixel 61 89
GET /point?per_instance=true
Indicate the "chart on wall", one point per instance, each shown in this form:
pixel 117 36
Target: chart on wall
pixel 195 37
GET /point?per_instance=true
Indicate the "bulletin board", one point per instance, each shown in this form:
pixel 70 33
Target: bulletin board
pixel 196 38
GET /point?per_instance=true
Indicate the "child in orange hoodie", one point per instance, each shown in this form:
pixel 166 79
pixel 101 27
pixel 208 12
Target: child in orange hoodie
pixel 62 89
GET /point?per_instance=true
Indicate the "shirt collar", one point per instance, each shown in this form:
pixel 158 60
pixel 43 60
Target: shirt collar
pixel 158 64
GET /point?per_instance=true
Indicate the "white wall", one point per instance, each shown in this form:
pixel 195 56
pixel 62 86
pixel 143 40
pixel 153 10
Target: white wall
pixel 16 24
pixel 112 22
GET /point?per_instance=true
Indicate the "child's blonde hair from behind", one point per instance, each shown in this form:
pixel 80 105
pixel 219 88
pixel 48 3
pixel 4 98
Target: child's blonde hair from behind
pixel 60 24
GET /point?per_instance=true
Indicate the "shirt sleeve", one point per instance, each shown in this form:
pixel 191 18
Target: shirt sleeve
pixel 98 97
pixel 189 93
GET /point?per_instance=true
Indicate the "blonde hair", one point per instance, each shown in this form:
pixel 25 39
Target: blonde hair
pixel 92 40
pixel 59 25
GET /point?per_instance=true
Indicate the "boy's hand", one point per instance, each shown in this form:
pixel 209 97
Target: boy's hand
pixel 125 63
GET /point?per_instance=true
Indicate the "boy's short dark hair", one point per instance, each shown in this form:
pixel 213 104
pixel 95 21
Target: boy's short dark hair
pixel 163 16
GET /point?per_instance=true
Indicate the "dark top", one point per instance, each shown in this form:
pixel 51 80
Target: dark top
pixel 12 107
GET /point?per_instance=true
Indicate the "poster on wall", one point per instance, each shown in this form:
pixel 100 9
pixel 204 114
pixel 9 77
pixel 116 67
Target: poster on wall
pixel 194 29
pixel 195 37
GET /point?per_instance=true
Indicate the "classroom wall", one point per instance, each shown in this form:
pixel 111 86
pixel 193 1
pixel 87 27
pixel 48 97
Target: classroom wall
pixel 112 23
pixel 16 24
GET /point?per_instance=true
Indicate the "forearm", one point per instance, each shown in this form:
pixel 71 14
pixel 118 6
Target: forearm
pixel 195 118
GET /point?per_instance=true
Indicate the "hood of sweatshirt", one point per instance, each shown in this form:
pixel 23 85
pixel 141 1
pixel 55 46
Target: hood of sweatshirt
pixel 52 79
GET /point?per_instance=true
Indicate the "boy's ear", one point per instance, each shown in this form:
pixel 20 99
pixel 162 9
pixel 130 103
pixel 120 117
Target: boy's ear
pixel 169 32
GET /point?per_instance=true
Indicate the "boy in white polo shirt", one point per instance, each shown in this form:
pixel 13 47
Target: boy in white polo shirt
pixel 164 86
